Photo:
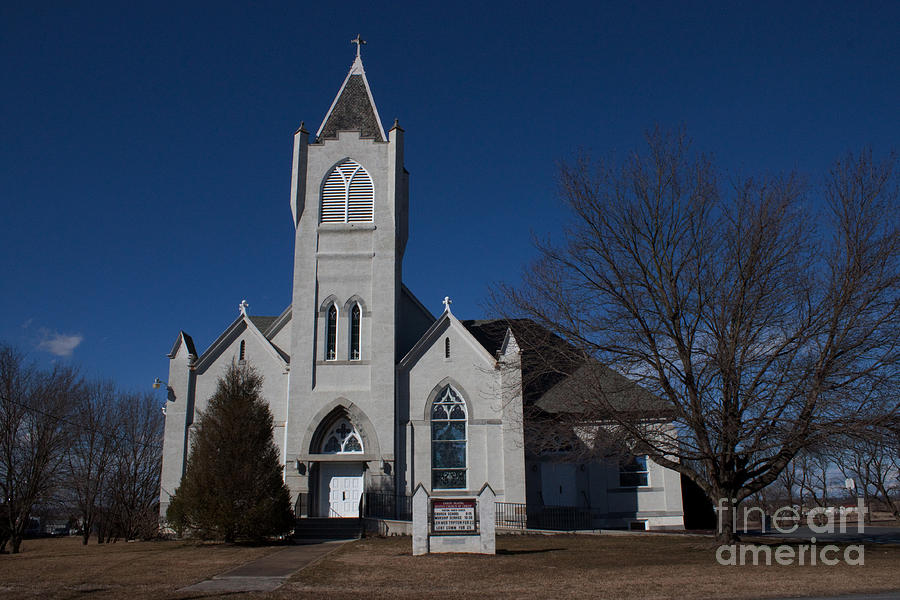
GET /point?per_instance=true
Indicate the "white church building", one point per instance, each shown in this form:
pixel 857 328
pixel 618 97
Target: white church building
pixel 368 390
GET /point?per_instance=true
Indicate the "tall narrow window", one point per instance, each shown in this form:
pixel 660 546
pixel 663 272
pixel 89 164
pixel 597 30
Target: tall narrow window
pixel 241 355
pixel 446 347
pixel 448 441
pixel 331 334
pixel 354 332
pixel 348 195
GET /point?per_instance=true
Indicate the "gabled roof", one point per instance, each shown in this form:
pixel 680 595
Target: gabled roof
pixel 353 109
pixel 278 324
pixel 222 342
pixel 556 376
pixel 188 342
pixel 416 302
pixel 263 323
pixel 433 334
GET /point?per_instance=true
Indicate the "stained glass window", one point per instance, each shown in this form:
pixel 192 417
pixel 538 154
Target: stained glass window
pixel 448 441
pixel 343 438
pixel 354 332
pixel 331 334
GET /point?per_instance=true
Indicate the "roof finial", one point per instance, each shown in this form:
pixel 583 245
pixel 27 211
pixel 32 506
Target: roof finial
pixel 447 303
pixel 243 306
pixel 359 43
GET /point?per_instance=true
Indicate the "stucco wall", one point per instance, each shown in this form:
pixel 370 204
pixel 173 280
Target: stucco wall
pixel 341 262
pixel 473 374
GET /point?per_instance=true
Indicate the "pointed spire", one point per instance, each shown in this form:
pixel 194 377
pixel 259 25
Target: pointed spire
pixel 353 108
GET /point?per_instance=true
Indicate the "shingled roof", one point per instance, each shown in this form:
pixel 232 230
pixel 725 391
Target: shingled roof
pixel 353 109
pixel 263 323
pixel 559 378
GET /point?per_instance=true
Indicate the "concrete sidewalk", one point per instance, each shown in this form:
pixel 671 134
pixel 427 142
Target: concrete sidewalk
pixel 267 573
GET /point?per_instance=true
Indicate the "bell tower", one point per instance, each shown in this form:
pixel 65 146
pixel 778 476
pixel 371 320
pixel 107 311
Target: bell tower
pixel 349 201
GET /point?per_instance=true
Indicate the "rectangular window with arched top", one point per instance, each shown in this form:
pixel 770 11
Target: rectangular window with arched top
pixel 448 441
pixel 331 334
pixel 355 331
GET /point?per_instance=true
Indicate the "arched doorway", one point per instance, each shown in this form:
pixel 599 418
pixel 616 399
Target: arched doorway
pixel 341 472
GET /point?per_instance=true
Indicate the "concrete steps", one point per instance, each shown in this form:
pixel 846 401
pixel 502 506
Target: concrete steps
pixel 321 528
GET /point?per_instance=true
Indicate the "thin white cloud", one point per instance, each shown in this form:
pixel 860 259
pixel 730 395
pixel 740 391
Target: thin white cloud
pixel 59 344
pixel 27 324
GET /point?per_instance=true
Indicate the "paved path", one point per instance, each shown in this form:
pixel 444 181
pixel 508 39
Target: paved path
pixel 267 573
pixel 871 534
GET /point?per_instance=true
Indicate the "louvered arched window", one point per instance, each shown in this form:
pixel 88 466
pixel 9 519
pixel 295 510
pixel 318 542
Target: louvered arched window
pixel 348 195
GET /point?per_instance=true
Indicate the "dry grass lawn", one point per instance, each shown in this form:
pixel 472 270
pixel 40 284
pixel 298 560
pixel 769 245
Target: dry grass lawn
pixel 564 566
pixel 63 568
pixel 567 566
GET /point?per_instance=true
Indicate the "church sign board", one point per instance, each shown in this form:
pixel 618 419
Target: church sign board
pixel 454 524
pixel 453 517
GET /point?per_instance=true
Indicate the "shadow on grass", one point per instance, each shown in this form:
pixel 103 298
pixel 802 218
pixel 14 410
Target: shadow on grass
pixel 264 543
pixel 542 551
pixel 207 595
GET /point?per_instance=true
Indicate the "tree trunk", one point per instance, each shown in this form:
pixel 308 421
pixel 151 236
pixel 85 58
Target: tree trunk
pixel 86 532
pixel 726 511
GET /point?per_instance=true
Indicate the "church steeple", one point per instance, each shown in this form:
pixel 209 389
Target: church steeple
pixel 353 108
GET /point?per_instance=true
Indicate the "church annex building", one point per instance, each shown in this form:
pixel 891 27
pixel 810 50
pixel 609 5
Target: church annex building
pixel 368 390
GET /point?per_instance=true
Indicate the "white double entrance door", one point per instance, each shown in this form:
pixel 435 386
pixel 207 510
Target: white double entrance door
pixel 340 489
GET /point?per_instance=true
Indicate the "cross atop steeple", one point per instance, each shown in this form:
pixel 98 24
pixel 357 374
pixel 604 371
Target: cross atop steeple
pixel 447 303
pixel 359 43
pixel 243 306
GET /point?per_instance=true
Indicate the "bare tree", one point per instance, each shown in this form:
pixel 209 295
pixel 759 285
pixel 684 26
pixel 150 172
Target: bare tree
pixel 34 410
pixel 91 452
pixel 763 327
pixel 872 460
pixel 813 467
pixel 134 486
pixel 787 481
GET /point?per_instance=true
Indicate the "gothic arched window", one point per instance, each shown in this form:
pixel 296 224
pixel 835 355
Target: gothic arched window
pixel 342 439
pixel 348 195
pixel 355 330
pixel 331 334
pixel 448 441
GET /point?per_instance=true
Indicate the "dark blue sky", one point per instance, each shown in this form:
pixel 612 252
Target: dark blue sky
pixel 146 147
